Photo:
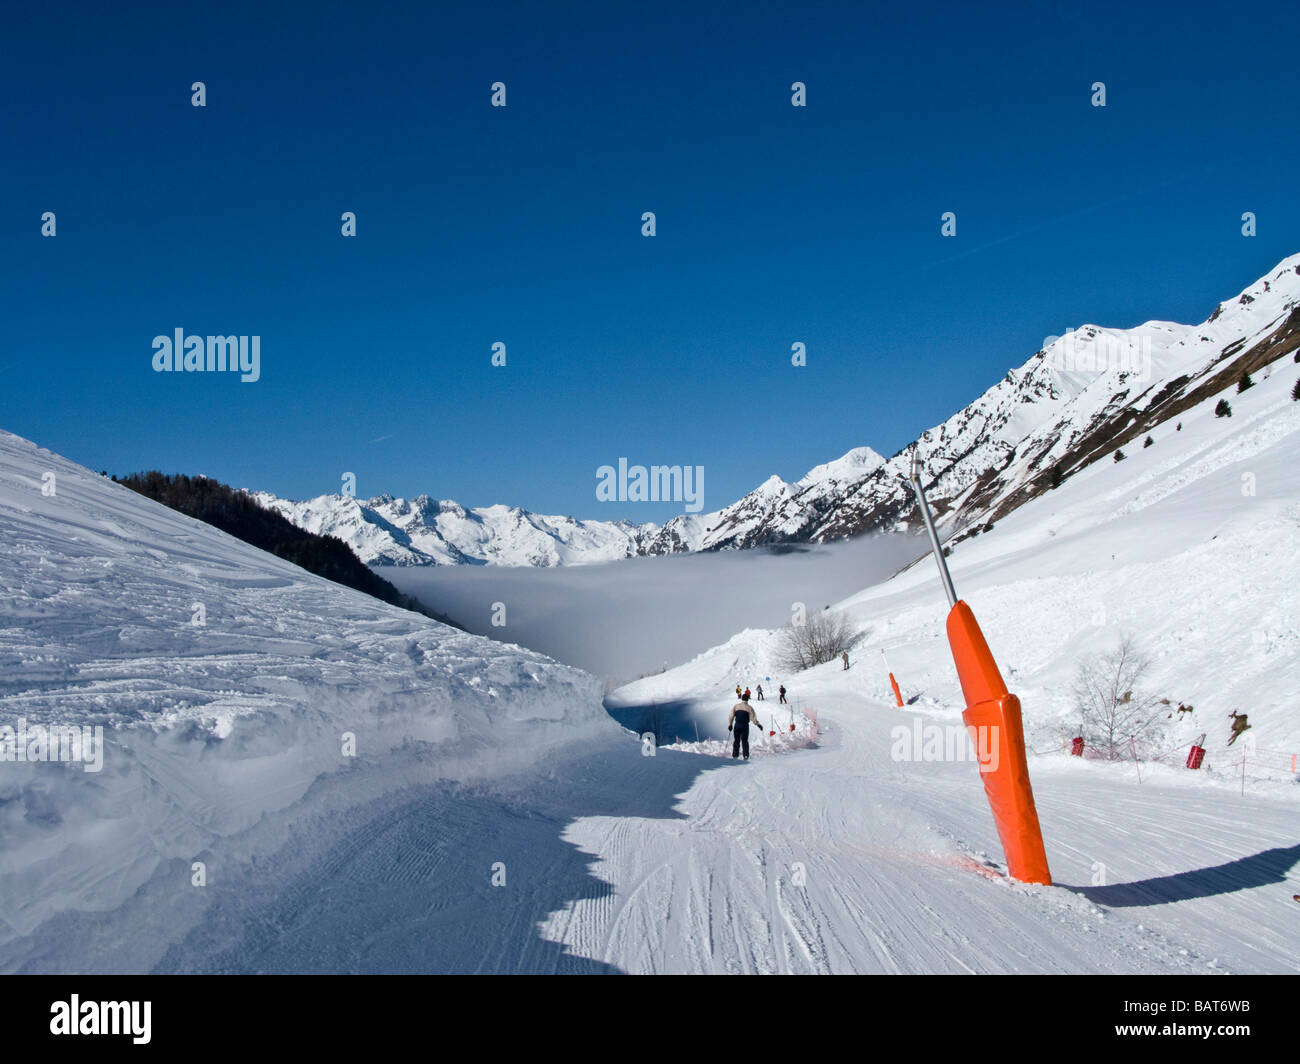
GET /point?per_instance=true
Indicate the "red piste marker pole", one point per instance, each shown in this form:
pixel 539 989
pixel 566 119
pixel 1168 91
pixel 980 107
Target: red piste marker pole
pixel 992 717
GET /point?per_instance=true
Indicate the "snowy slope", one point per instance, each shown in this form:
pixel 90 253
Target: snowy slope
pixel 1178 872
pixel 223 741
pixel 1044 420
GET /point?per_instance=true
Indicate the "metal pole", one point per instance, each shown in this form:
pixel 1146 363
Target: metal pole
pixel 924 507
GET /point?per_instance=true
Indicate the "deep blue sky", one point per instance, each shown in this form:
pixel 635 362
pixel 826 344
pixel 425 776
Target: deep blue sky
pixel 476 224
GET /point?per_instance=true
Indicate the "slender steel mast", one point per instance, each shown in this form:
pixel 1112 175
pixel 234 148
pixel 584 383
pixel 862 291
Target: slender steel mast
pixel 924 507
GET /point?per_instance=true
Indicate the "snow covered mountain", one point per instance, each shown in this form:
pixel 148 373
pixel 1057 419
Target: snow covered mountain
pixel 386 530
pixel 1083 396
pixel 422 531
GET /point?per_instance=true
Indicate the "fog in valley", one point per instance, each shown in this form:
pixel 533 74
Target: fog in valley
pixel 625 619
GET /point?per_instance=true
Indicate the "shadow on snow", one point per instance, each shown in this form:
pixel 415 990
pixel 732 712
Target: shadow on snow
pixel 1258 870
pixel 409 888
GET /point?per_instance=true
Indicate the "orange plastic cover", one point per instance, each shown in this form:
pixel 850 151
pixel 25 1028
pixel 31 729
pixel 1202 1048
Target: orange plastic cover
pixel 980 679
pixel 993 717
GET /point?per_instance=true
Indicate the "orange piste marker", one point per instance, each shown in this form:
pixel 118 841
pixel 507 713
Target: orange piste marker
pixel 898 695
pixel 993 718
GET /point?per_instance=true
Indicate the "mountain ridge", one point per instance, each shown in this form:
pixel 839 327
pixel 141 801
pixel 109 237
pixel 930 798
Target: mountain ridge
pixel 1078 398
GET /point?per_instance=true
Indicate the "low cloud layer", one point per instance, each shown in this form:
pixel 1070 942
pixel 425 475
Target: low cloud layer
pixel 629 618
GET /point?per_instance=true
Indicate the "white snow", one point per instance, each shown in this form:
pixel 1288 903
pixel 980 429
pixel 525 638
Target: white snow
pixel 223 741
pixel 855 464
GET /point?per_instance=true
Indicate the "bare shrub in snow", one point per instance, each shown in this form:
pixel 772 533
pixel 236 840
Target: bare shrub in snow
pixel 1113 705
pixel 821 638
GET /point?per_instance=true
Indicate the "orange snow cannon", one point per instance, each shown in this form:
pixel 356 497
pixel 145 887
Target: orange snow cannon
pixel 992 717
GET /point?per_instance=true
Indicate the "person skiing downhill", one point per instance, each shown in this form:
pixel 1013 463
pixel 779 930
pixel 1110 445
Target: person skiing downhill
pixel 738 725
pixel 760 692
pixel 781 692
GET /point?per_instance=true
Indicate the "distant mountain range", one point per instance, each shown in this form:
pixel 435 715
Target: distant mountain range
pixel 1079 399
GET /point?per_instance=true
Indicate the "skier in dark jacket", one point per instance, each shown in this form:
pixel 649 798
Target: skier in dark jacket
pixel 781 692
pixel 738 725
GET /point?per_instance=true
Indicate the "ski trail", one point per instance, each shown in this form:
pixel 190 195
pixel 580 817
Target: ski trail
pixel 895 876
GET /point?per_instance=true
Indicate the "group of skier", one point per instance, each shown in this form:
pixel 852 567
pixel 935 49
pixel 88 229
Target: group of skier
pixel 746 694
pixel 742 714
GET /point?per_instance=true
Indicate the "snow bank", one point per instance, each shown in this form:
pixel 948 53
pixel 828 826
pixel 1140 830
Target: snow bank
pixel 240 698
